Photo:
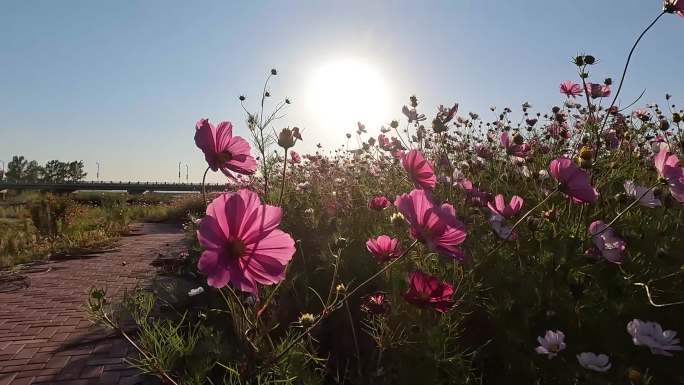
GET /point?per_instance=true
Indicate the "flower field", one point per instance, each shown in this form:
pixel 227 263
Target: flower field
pixel 515 246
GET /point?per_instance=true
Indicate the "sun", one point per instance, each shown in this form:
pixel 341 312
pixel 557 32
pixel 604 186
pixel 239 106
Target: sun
pixel 346 91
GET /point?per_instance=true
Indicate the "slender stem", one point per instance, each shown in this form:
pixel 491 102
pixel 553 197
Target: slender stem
pixel 629 58
pixel 282 185
pixel 650 299
pixel 204 189
pixel 621 213
pixel 356 341
pixel 522 219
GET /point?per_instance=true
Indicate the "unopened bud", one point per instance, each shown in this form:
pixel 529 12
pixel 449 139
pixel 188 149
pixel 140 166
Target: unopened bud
pixel 397 219
pixel 306 319
pixel 286 138
pixel 588 59
pixel 585 153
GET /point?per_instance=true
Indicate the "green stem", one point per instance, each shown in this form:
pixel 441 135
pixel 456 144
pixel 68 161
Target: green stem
pixel 204 189
pixel 282 185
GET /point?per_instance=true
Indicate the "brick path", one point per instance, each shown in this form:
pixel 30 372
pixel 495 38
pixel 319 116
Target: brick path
pixel 44 335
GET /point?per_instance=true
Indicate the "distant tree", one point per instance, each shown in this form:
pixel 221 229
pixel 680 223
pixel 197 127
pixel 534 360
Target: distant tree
pixel 34 172
pixel 16 169
pixel 55 171
pixel 75 171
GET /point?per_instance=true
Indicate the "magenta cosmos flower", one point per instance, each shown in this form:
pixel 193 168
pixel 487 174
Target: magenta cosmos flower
pixel 574 182
pixel 596 90
pixel 517 150
pixel 675 6
pixel 606 243
pixel 375 304
pixel 570 89
pixel 506 210
pixel 669 169
pixel 384 248
pixel 295 158
pixel 242 244
pixel 551 344
pixel 427 291
pixel 651 335
pixel 419 170
pixel 378 203
pixel 222 150
pixel 435 226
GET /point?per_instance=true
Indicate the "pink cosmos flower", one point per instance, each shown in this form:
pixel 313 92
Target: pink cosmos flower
pixel 242 243
pixel 222 150
pixel 419 170
pixel 651 335
pixel 574 181
pixel 376 303
pixel 436 226
pixel 606 243
pixel 473 194
pixel 384 248
pixel 596 362
pixel 596 90
pixel 506 210
pixel 295 158
pixel 675 6
pixel 570 89
pixel 378 203
pixel 551 344
pixel 669 169
pixel 427 291
pixel 517 150
pixel 644 194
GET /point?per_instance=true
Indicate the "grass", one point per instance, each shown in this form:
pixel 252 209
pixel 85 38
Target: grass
pixel 33 225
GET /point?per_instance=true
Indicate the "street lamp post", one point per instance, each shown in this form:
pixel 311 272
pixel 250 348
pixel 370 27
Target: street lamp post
pixel 187 172
pixel 98 171
pixel 179 172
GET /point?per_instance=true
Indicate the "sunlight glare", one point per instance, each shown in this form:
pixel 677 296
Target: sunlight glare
pixel 344 92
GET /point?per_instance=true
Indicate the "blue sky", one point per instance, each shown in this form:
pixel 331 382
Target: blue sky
pixel 124 82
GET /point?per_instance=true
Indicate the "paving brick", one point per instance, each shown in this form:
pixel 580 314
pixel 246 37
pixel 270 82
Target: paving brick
pixel 45 337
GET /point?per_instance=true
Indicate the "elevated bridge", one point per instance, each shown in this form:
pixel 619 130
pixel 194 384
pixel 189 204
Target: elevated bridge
pixel 130 187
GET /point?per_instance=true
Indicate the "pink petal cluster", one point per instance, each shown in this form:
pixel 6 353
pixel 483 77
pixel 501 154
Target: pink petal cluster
pixel 419 170
pixel 672 172
pixel 435 226
pixel 242 243
pixel 295 158
pixel 574 181
pixel 517 150
pixel 551 344
pixel 570 89
pixel 376 303
pixel 644 194
pixel 506 210
pixel 651 335
pixel 378 203
pixel 473 194
pixel 606 243
pixel 384 248
pixel 427 291
pixel 222 150
pixel 596 90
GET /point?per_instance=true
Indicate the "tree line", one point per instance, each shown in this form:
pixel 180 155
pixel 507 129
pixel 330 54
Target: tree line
pixel 20 169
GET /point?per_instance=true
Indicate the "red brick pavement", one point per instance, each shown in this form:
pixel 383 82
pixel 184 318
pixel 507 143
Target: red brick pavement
pixel 44 335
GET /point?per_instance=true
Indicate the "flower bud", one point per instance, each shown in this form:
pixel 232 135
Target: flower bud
pixel 585 153
pixel 664 125
pixel 608 81
pixel 397 219
pixel 588 59
pixel 286 138
pixel 578 60
pixel 518 139
pixel 242 98
pixel 394 124
pixel 341 289
pixel 274 72
pixel 307 319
